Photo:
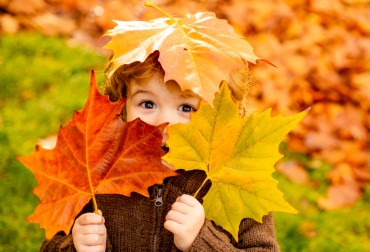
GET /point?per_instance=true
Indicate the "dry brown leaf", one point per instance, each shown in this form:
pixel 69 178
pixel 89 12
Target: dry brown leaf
pixel 51 24
pixel 339 196
pixel 293 171
pixel 31 7
pixel 9 24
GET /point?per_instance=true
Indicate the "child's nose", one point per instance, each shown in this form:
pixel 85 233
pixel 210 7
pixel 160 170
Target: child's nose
pixel 169 117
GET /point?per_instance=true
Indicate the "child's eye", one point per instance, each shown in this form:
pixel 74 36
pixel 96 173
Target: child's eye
pixel 186 108
pixel 148 105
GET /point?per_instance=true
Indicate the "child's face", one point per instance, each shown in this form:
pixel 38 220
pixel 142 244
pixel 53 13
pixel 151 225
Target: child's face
pixel 156 102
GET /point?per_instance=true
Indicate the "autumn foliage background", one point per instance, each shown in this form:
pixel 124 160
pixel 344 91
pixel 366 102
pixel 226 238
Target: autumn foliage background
pixel 321 50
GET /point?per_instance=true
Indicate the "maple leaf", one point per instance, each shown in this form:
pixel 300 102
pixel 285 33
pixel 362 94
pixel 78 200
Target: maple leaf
pixel 198 51
pixel 96 153
pixel 238 156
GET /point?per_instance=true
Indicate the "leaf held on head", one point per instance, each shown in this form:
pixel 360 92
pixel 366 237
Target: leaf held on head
pixel 197 51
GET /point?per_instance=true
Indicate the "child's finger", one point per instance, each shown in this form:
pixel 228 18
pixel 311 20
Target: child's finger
pixel 188 200
pixel 172 226
pixel 94 239
pixel 176 216
pixel 181 207
pixel 170 166
pixel 96 248
pixel 90 218
pixel 93 229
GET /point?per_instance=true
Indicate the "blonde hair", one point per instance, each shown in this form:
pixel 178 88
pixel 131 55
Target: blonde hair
pixel 117 84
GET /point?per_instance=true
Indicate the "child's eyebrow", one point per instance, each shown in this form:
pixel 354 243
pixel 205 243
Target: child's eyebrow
pixel 141 91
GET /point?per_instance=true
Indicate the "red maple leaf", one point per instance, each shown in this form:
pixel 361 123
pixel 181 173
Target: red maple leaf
pixel 96 153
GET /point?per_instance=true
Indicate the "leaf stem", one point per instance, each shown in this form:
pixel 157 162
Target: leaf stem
pixel 92 81
pixel 204 181
pixel 150 4
pixel 91 188
pixel 94 200
pixel 90 183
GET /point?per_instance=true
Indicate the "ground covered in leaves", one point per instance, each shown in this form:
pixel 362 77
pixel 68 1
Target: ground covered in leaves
pixel 320 48
pixel 27 114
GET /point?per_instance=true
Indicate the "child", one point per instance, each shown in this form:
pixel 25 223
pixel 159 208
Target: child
pixel 171 219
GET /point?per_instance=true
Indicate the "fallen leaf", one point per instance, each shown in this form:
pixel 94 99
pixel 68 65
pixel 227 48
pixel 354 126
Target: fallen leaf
pixel 9 24
pixel 96 153
pixel 293 171
pixel 308 229
pixel 363 173
pixel 51 24
pixel 339 196
pixel 238 156
pixel 32 6
pixel 341 174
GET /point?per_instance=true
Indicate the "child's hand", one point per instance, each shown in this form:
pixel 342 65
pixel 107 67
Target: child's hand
pixel 89 232
pixel 184 220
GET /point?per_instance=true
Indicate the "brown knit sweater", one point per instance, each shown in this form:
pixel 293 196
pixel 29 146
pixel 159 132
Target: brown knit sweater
pixel 136 224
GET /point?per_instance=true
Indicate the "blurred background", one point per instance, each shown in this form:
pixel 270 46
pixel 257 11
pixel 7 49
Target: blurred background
pixel 321 50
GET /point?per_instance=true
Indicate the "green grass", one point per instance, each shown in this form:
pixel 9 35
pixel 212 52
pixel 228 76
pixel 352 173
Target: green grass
pixel 313 229
pixel 42 81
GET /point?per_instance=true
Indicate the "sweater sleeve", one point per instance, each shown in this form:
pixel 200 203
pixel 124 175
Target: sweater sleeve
pixel 64 243
pixel 253 237
pixel 60 242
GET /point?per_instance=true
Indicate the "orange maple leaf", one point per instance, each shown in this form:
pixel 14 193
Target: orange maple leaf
pixel 96 153
pixel 197 51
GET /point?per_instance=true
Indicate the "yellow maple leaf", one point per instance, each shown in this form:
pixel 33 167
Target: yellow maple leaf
pixel 238 156
pixel 197 51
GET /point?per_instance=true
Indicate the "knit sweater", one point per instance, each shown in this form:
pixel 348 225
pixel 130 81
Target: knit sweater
pixel 136 223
